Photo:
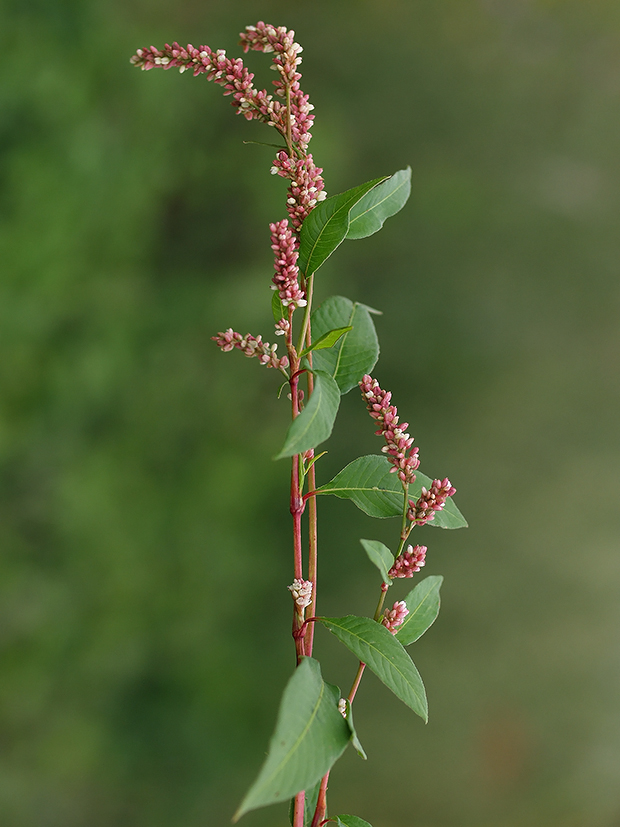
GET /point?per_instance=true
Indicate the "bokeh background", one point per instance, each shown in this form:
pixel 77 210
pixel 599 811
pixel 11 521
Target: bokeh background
pixel 144 617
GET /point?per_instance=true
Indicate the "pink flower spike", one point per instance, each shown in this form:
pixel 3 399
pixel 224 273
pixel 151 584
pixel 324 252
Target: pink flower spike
pixel 251 346
pixel 430 500
pixel 407 563
pixel 394 617
pixel 286 279
pixel 398 445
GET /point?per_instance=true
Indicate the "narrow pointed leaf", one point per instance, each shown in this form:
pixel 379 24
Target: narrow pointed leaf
pixel 380 555
pixel 355 741
pixel 423 604
pixel 368 483
pixel 277 308
pixel 382 202
pixel 356 353
pixel 310 736
pixel 351 821
pixel 314 424
pixel 327 225
pixel 328 339
pixel 384 655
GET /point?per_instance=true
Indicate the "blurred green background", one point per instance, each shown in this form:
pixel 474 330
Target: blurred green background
pixel 144 617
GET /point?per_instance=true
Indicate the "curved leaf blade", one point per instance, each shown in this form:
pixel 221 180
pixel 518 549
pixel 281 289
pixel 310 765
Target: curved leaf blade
pixel 309 737
pixel 327 225
pixel 315 423
pixel 351 821
pixel 382 202
pixel 356 353
pixel 384 655
pixel 355 741
pixel 368 483
pixel 380 556
pixel 423 603
pixel 328 339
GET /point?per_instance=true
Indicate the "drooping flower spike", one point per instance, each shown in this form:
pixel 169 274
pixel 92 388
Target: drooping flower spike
pixel 289 112
pixel 251 346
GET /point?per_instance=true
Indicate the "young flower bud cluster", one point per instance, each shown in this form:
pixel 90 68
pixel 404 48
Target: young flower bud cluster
pixel 407 563
pixel 434 499
pixel 394 617
pixel 282 327
pixel 301 591
pixel 286 279
pixel 403 457
pixel 251 346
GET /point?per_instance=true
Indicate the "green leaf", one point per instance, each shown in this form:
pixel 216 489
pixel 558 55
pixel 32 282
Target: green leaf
pixel 355 741
pixel 356 353
pixel 382 202
pixel 380 555
pixel 314 424
pixel 352 821
pixel 311 798
pixel 423 604
pixel 367 481
pixel 384 655
pixel 309 737
pixel 327 225
pixel 328 339
pixel 277 308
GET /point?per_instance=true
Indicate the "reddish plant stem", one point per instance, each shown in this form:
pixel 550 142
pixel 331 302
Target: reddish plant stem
pixel 312 518
pixel 299 810
pixel 356 682
pixel 321 803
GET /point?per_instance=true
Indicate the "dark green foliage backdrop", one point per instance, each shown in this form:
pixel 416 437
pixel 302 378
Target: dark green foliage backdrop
pixel 144 536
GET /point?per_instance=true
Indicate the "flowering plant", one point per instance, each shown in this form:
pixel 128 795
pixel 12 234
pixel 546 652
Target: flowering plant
pixel 331 349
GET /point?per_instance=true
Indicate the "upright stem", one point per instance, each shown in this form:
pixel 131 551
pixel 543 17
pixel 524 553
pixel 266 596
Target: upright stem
pixel 299 810
pixel 312 513
pixel 321 803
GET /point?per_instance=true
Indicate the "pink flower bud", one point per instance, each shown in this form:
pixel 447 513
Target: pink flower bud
pixel 393 618
pixel 301 591
pixel 407 563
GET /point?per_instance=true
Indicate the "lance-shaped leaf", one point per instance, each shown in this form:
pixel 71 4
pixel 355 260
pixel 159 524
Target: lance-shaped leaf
pixel 310 736
pixel 351 821
pixel 380 555
pixel 368 482
pixel 384 655
pixel 382 202
pixel 328 339
pixel 314 424
pixel 327 225
pixel 356 353
pixel 423 604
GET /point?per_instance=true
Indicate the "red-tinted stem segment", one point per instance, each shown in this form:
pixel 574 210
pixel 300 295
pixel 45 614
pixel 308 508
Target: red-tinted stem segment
pixel 321 804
